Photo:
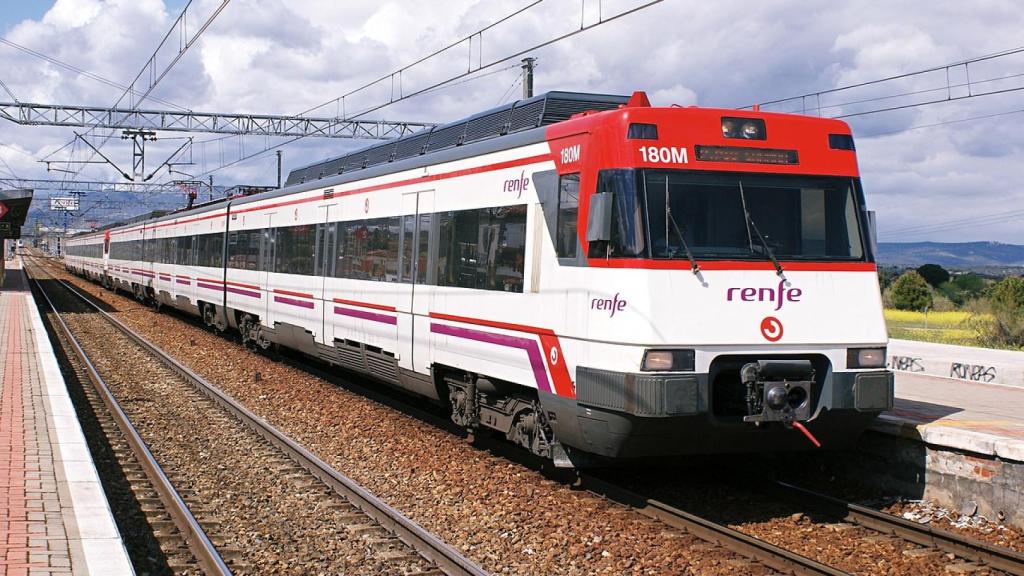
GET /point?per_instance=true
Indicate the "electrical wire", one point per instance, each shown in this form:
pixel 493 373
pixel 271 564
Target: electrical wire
pixel 77 70
pixel 150 64
pixel 510 90
pixel 946 88
pixel 938 101
pixel 9 169
pixel 991 56
pixel 202 143
pixel 946 123
pixel 423 59
pixel 581 29
pixel 956 223
pixel 9 93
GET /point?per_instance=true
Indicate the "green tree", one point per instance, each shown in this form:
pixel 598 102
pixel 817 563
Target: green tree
pixel 1007 327
pixel 971 284
pixel 886 274
pixel 910 292
pixel 933 274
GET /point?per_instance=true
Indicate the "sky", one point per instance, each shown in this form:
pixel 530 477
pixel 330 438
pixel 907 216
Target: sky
pixel 949 171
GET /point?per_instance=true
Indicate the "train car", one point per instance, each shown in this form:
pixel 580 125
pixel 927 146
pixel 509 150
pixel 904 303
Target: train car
pixel 595 278
pixel 85 256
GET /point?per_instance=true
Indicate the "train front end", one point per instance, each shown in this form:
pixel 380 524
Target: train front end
pixel 720 266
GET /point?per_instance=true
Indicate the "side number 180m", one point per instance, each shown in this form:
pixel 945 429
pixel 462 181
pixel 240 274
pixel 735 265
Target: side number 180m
pixel 663 154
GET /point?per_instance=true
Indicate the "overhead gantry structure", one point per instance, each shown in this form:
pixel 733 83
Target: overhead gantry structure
pixel 210 122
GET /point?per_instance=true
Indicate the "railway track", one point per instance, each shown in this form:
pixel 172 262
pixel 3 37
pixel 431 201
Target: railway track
pixel 723 536
pixel 971 555
pixel 983 553
pixel 390 541
pixel 183 546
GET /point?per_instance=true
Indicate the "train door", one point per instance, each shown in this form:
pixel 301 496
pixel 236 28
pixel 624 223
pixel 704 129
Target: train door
pixel 322 270
pixel 415 270
pixel 267 245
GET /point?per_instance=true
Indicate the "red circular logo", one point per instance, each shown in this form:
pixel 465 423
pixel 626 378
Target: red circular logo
pixel 771 329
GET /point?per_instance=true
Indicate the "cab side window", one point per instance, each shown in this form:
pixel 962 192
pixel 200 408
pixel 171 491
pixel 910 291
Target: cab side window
pixel 568 215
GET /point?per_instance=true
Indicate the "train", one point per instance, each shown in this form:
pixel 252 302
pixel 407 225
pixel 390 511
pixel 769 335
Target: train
pixel 596 279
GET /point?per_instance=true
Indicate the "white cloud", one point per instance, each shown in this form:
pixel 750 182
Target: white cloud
pixel 67 14
pixel 278 56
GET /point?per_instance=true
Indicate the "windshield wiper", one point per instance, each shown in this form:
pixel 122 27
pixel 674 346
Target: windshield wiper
pixel 682 239
pixel 764 243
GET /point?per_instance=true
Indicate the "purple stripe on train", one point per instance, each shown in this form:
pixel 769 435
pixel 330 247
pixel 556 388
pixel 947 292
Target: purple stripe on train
pixel 186 282
pixel 250 293
pixel 294 302
pixel 372 316
pixel 209 286
pixel 527 344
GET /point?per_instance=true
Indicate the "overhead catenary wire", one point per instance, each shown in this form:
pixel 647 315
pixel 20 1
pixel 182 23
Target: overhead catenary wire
pixel 150 65
pixel 946 88
pixel 423 59
pixel 946 123
pixel 949 225
pixel 9 93
pixel 80 71
pixel 202 143
pixel 583 28
pixel 985 57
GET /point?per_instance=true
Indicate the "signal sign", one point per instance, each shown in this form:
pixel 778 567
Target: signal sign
pixel 3 209
pixel 64 204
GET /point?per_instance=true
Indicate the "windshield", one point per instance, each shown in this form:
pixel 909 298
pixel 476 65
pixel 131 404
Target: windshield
pixel 733 216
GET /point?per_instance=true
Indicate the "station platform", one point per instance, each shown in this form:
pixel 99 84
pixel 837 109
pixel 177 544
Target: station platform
pixel 956 443
pixel 54 515
pixel 983 418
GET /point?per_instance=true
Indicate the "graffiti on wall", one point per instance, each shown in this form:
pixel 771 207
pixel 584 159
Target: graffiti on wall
pixel 906 363
pixel 974 372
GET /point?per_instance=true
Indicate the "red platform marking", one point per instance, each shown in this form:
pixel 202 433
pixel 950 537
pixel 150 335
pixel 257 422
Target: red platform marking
pixel 14 548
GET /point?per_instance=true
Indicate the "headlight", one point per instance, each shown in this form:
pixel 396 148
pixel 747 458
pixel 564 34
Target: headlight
pixel 668 361
pixel 865 358
pixel 744 128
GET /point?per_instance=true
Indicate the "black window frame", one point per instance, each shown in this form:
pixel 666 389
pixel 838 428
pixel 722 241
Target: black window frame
pixel 566 233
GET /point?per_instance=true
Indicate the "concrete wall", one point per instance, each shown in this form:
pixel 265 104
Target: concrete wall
pixel 951 478
pixel 959 362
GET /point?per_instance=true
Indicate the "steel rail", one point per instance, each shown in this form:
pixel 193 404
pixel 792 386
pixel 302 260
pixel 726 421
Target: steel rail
pixel 745 545
pixel 204 550
pixel 996 557
pixel 448 559
pixel 754 548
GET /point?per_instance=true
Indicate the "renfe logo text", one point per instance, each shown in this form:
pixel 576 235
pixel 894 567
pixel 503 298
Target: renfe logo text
pixel 613 305
pixel 517 184
pixel 778 296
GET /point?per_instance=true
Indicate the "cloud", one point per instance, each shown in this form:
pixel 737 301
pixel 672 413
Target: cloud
pixel 277 56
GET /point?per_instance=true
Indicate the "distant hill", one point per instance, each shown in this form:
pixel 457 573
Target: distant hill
pixel 959 255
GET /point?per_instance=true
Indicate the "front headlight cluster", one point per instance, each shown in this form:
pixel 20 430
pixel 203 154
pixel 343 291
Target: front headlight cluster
pixel 865 358
pixel 676 360
pixel 744 128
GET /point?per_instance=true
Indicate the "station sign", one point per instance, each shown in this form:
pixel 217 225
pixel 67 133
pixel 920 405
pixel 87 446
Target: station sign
pixel 69 204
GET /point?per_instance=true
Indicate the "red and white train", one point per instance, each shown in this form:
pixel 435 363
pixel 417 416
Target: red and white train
pixel 588 275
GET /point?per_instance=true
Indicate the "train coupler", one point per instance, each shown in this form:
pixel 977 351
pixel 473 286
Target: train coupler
pixel 778 390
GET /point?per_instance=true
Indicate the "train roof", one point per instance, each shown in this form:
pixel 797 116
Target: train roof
pixel 519 116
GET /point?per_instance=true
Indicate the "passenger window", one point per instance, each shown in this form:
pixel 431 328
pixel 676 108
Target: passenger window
pixel 296 250
pixel 408 230
pixel 568 213
pixel 368 250
pixel 423 249
pixel 483 249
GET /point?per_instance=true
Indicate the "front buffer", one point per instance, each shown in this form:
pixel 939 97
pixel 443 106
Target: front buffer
pixel 742 404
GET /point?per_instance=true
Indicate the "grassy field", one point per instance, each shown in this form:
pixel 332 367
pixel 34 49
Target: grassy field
pixel 940 327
